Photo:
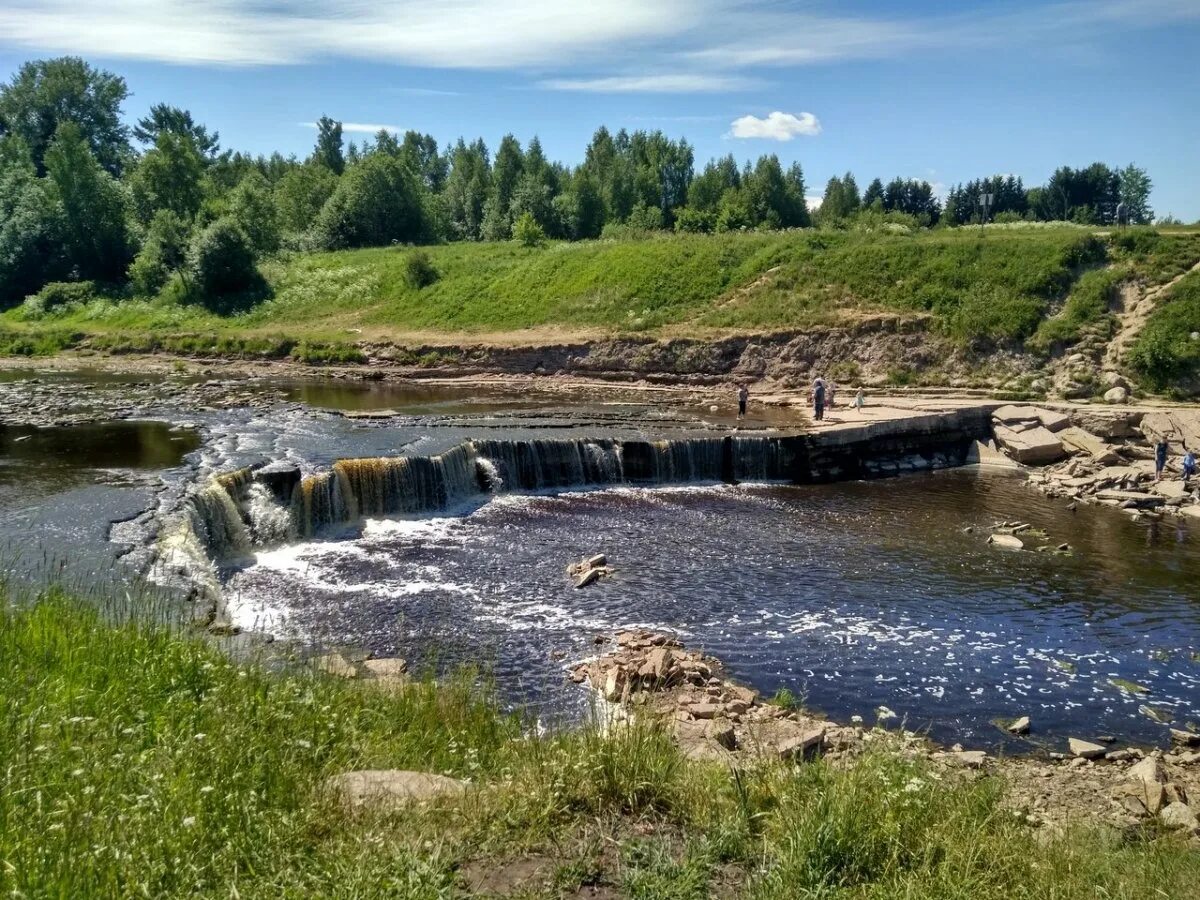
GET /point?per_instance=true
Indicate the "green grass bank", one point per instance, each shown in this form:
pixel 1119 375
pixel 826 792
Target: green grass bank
pixel 141 761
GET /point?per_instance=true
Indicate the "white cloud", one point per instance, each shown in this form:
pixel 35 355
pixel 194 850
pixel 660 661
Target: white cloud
pixel 466 34
pixel 360 127
pixel 678 83
pixel 544 36
pixel 778 126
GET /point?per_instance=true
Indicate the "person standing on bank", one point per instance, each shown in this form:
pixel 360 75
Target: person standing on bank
pixel 818 395
pixel 1160 458
pixel 743 395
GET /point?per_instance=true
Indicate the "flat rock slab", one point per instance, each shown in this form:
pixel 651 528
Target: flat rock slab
pixel 1137 498
pixel 1083 441
pixel 981 454
pixel 389 789
pixel 1172 490
pixel 1086 749
pixel 1033 447
pixel 1046 418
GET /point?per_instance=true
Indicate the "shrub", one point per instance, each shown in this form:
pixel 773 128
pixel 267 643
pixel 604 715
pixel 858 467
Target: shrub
pixel 695 221
pixel 376 202
pixel 419 271
pixel 318 354
pixel 59 295
pixel 527 232
pixel 221 261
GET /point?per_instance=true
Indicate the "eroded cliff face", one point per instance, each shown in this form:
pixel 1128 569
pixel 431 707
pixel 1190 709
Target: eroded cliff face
pixel 872 351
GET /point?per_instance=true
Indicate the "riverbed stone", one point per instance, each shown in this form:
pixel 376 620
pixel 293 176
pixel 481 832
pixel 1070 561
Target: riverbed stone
pixel 1185 738
pixel 1116 395
pixel 390 789
pixel 1037 446
pixel 1085 749
pixel 1006 542
pixel 1148 770
pixel 1019 726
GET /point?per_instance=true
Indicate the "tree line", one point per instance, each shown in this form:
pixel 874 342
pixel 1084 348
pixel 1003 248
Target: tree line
pixel 84 197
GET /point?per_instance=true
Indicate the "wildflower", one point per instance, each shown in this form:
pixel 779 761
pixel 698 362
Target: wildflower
pixel 189 821
pixel 201 736
pixel 207 789
pixel 77 773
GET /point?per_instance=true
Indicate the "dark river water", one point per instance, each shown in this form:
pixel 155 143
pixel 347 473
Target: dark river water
pixel 854 596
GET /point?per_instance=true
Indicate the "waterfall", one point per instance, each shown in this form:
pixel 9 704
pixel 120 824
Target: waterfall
pixel 273 504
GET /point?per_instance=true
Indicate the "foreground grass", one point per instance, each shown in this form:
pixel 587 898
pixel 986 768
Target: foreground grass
pixel 971 284
pixel 140 761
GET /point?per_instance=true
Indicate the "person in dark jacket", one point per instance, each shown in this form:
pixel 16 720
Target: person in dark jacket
pixel 1160 458
pixel 818 395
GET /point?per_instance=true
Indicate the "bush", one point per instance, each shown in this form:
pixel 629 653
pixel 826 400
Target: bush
pixel 419 271
pixel 59 295
pixel 695 221
pixel 527 232
pixel 221 261
pixel 376 202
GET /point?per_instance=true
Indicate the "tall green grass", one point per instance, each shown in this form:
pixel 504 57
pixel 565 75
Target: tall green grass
pixel 140 761
pixel 1165 355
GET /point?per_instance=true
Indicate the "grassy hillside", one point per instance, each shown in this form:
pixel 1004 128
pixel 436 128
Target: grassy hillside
pixel 999 283
pixel 1167 351
pixel 142 762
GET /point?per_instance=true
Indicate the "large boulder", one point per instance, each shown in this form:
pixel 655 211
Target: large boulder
pixel 390 789
pixel 1181 427
pixel 1037 446
pixel 1085 749
pixel 1116 395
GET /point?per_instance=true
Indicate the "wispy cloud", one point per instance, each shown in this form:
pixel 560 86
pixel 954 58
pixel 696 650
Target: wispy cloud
pixel 551 38
pixel 777 126
pixel 359 127
pixel 426 92
pixel 671 83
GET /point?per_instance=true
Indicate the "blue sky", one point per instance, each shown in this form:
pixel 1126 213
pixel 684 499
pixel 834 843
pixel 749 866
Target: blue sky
pixel 934 90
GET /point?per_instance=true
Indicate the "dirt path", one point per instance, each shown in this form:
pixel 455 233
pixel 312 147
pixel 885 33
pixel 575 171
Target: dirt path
pixel 1133 316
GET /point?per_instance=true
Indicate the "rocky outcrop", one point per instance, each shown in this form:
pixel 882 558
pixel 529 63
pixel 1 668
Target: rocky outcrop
pixel 1033 446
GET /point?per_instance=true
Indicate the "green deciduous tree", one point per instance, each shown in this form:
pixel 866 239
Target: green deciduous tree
pixel 164 252
pixel 164 118
pixel 252 207
pixel 45 93
pixel 31 235
pixel 376 202
pixel 329 151
pixel 1134 190
pixel 94 207
pixel 300 195
pixel 170 176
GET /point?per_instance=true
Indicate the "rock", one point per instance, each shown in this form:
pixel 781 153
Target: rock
pixel 981 454
pixel 1148 770
pixel 1020 726
pixel 337 665
pixel 705 740
pixel 596 561
pixel 589 577
pixel 1179 815
pixel 1172 490
pixel 704 710
pixel 389 789
pixel 1006 542
pixel 1186 738
pixel 801 746
pixel 971 759
pixel 744 694
pixel 389 669
pixel 1107 424
pixel 1113 379
pixel 1085 442
pixel 1085 749
pixel 1019 415
pixel 1137 499
pixel 1036 446
pixel 614 684
pixel 1116 395
pixel 659 661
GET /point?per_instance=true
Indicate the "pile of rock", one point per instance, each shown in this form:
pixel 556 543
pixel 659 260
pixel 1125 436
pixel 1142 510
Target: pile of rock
pixel 1102 456
pixel 590 570
pixel 711 716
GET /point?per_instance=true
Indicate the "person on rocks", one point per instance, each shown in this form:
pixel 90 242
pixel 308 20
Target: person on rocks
pixel 1189 465
pixel 860 400
pixel 818 397
pixel 1160 458
pixel 743 395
